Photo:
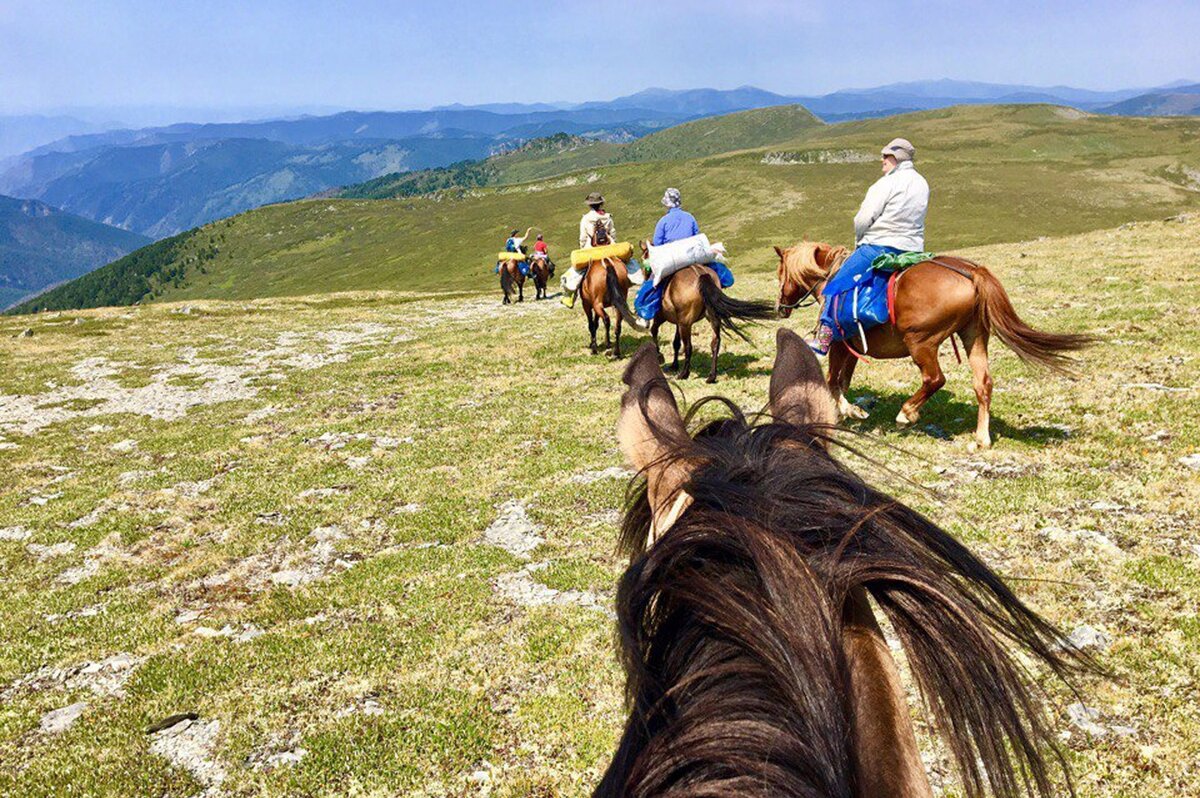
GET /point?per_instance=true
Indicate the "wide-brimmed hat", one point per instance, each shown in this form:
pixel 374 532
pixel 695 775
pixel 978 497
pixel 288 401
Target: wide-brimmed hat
pixel 595 198
pixel 900 149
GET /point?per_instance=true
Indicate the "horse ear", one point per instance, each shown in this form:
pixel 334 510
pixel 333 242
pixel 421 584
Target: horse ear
pixel 798 392
pixel 779 252
pixel 650 428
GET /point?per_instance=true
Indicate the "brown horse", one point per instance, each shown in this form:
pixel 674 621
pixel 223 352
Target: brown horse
pixel 694 293
pixel 510 275
pixel 539 272
pixel 754 662
pixel 934 300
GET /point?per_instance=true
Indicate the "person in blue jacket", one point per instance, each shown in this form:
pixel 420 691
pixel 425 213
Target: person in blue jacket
pixel 674 225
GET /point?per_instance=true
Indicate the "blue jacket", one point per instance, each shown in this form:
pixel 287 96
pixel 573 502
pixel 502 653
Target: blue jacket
pixel 674 225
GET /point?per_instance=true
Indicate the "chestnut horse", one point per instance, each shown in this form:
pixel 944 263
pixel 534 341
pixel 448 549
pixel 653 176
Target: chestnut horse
pixel 510 274
pixel 754 662
pixel 934 300
pixel 539 272
pixel 693 293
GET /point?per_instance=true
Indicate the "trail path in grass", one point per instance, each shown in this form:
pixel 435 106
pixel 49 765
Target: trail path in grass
pixel 364 542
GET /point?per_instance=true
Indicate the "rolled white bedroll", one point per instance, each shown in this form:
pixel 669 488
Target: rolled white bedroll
pixel 667 259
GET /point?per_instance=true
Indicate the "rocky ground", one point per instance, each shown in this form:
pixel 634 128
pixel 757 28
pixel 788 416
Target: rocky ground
pixel 363 544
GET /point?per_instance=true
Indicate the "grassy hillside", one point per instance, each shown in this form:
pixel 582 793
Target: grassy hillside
pixel 998 174
pixel 275 515
pixel 41 246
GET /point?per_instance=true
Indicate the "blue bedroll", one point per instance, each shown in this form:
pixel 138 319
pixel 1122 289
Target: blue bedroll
pixel 865 304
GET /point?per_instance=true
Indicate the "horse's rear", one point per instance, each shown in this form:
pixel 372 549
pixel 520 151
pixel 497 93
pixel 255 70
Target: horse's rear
pixel 539 272
pixel 606 285
pixel 510 277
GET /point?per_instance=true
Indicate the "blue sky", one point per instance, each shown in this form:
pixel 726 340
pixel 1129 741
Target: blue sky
pixel 394 55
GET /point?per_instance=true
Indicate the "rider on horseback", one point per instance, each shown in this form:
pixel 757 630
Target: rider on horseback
pixel 676 224
pixel 891 220
pixel 596 228
pixel 542 252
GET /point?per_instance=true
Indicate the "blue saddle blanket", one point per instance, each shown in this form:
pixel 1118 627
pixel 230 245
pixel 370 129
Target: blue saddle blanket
pixel 865 304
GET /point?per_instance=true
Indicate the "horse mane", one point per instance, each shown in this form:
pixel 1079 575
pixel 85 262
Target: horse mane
pixel 729 628
pixel 810 262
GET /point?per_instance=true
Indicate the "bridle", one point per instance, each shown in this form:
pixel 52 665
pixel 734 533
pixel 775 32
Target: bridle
pixel 806 300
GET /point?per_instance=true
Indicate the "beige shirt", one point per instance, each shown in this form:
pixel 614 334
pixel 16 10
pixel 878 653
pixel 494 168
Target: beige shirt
pixel 587 226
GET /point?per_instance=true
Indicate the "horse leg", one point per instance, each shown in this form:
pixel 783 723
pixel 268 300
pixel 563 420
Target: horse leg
pixel 925 355
pixel 607 328
pixel 654 327
pixel 593 324
pixel 617 339
pixel 715 346
pixel 521 290
pixel 675 344
pixel 685 334
pixel 886 759
pixel 841 370
pixel 976 343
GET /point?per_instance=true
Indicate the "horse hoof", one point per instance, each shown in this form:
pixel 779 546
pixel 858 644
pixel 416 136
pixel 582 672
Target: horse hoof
pixel 903 420
pixel 711 380
pixel 854 411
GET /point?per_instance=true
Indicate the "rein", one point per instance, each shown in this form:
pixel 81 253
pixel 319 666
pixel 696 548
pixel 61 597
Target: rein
pixel 810 295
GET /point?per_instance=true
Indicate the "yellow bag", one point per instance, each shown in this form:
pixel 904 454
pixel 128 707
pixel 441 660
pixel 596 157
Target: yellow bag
pixel 582 257
pixel 517 256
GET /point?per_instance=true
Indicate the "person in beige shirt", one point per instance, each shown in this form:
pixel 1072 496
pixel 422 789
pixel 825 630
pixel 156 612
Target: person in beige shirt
pixel 596 215
pixel 595 218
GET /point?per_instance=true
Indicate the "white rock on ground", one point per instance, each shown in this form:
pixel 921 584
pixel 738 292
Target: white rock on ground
pixel 190 744
pixel 588 477
pixel 14 533
pixel 513 531
pixel 1085 637
pixel 60 720
pixel 1191 461
pixel 46 552
pixel 522 589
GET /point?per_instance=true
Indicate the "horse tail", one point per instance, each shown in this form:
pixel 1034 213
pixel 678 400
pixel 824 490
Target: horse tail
pixel 996 313
pixel 615 296
pixel 730 312
pixel 506 281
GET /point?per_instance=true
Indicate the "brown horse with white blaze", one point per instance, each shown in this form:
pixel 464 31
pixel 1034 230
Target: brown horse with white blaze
pixel 754 662
pixel 510 275
pixel 933 300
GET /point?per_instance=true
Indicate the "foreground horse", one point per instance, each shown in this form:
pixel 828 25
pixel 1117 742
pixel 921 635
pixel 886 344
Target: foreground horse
pixel 934 300
pixel 754 662
pixel 510 275
pixel 693 293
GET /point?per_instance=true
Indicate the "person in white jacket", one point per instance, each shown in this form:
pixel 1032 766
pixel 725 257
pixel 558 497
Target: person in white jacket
pixel 891 220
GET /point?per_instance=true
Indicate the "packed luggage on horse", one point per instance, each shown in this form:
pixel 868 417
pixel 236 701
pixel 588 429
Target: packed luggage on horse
pixel 686 285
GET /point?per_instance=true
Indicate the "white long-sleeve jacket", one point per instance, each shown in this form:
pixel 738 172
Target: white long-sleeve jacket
pixel 893 212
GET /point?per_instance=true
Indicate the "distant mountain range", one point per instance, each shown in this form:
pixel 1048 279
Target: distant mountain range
pixel 41 246
pixel 1174 101
pixel 161 180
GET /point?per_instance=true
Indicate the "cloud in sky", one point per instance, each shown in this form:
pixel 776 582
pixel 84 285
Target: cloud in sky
pixel 376 54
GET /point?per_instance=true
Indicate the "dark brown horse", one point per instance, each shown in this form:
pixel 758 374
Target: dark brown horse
pixel 539 272
pixel 693 293
pixel 934 300
pixel 510 275
pixel 754 662
pixel 606 285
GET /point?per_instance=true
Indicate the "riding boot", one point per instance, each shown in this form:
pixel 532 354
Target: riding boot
pixel 820 344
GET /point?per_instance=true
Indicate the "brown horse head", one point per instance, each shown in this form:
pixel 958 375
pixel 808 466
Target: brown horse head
pixel 753 662
pixel 803 269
